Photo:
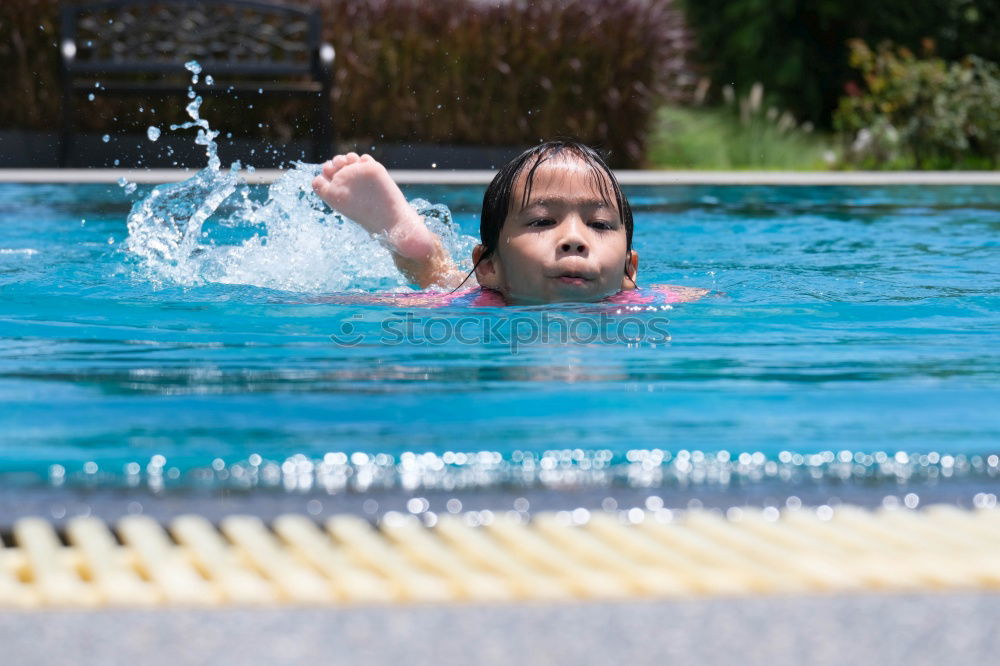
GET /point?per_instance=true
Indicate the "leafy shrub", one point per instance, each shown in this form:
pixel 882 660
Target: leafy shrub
pixel 29 51
pixel 798 48
pixel 739 134
pixel 449 71
pixel 920 112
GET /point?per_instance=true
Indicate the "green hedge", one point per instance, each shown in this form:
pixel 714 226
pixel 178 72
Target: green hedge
pixel 798 48
pixel 920 113
pixel 447 71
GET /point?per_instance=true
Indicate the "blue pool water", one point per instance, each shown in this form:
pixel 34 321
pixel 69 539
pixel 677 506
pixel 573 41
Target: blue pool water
pixel 849 331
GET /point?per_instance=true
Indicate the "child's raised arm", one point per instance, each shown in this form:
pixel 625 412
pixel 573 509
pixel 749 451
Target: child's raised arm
pixel 361 189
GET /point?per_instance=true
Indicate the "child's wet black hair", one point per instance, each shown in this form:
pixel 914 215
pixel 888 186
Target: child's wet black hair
pixel 497 199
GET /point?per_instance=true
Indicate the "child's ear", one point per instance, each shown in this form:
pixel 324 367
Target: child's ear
pixel 631 270
pixel 487 271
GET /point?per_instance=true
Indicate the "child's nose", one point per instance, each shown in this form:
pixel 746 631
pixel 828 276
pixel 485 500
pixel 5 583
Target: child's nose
pixel 572 240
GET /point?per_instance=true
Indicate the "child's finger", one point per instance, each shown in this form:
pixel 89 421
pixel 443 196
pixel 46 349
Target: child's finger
pixel 329 168
pixel 352 157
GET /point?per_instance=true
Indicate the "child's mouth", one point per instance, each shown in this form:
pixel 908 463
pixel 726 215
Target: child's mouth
pixel 574 279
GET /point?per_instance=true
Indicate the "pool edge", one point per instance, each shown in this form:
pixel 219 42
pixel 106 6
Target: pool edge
pixel 482 177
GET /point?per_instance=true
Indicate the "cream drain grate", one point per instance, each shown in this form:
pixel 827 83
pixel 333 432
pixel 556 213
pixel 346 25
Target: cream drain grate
pixel 487 557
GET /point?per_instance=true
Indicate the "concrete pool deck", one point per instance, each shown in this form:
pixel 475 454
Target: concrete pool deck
pixel 777 631
pixel 474 177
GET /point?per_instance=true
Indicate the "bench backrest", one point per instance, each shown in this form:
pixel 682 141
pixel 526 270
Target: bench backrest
pixel 234 37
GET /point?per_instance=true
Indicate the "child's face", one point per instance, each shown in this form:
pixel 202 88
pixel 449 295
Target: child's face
pixel 566 244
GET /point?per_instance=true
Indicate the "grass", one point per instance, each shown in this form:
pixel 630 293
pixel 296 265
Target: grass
pixel 722 138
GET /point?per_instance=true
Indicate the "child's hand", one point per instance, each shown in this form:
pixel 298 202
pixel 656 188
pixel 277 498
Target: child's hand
pixel 360 188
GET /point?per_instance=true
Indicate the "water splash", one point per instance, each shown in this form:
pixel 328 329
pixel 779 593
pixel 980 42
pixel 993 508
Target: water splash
pixel 210 229
pixel 196 232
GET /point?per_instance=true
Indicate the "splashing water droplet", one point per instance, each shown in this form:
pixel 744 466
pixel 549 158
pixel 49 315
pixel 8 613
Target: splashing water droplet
pixel 106 138
pixel 195 69
pixel 126 185
pixel 90 97
pixel 153 132
pixel 209 81
pixel 206 136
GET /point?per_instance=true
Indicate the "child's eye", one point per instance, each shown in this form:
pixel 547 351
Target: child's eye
pixel 542 222
pixel 601 225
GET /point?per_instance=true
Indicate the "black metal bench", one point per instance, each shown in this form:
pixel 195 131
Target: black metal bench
pixel 140 47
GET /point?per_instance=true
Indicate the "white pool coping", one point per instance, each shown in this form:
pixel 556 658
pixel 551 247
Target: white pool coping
pixel 477 177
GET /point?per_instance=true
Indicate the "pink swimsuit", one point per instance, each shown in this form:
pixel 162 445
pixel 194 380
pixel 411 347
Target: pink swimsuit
pixel 479 297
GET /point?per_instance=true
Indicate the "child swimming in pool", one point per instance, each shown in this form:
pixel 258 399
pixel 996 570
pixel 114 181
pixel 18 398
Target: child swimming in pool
pixel 555 227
